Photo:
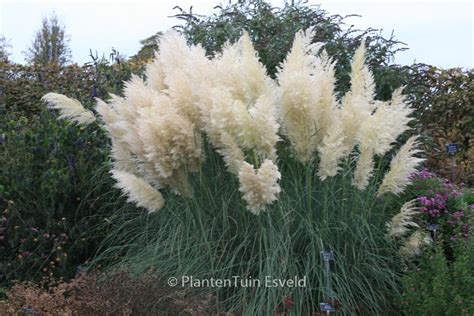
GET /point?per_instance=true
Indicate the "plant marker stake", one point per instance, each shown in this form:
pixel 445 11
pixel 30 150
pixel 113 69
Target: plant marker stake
pixel 452 169
pixel 434 229
pixel 327 256
pixel 452 149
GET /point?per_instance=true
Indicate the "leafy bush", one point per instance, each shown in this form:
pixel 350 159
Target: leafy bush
pixel 330 168
pixel 437 286
pixel 23 86
pixel 445 205
pixel 53 190
pixel 53 181
pixel 444 103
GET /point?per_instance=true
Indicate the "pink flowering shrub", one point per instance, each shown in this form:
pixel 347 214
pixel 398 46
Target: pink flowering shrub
pixel 443 206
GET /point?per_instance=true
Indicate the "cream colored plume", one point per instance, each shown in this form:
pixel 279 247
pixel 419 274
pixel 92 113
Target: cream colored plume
pixel 307 102
pixel 70 109
pixel 239 70
pixel 414 244
pixel 155 127
pixel 401 167
pixel 259 187
pixel 378 132
pixel 238 106
pixel 170 141
pixel 402 222
pixel 179 71
pixel 231 152
pixel 364 169
pixel 357 104
pixel 381 130
pixel 332 151
pixel 138 191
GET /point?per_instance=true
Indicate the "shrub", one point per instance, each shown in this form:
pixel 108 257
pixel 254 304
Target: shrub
pixel 444 103
pixel 194 152
pixel 115 292
pixel 441 203
pixel 23 86
pixel 53 190
pixel 53 181
pixel 435 285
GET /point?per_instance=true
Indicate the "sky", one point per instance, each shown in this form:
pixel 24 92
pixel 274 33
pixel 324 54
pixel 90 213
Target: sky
pixel 437 32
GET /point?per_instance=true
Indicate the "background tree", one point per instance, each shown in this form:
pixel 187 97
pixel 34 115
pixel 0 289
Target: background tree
pixel 4 46
pixel 149 46
pixel 50 44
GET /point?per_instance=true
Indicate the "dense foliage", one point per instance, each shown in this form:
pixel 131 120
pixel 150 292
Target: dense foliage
pixel 54 182
pixel 439 286
pixel 441 281
pixel 444 103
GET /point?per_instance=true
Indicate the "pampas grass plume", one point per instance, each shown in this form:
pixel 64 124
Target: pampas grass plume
pixel 69 109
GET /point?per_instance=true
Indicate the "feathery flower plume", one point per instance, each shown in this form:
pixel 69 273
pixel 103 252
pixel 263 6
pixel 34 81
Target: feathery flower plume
pixel 331 151
pixel 301 105
pixel 170 141
pixel 70 109
pixel 155 74
pixel 362 82
pixel 327 102
pixel 381 129
pixel 401 223
pixel 401 167
pixel 363 170
pixel 182 69
pixel 138 191
pixel 155 127
pixel 377 134
pixel 358 103
pixel 238 108
pixel 122 157
pixel 414 244
pixel 231 153
pixel 259 187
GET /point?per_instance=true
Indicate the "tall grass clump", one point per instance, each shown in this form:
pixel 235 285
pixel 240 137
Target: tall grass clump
pixel 249 177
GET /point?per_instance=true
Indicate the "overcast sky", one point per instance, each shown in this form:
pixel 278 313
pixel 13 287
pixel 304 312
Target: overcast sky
pixel 437 32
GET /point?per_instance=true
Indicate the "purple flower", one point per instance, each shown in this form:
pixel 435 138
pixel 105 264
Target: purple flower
pixel 458 215
pixel 424 200
pixel 423 174
pixel 466 226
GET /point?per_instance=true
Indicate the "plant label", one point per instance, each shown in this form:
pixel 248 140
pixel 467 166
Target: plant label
pixel 327 255
pixel 452 148
pixel 326 307
pixel 432 227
